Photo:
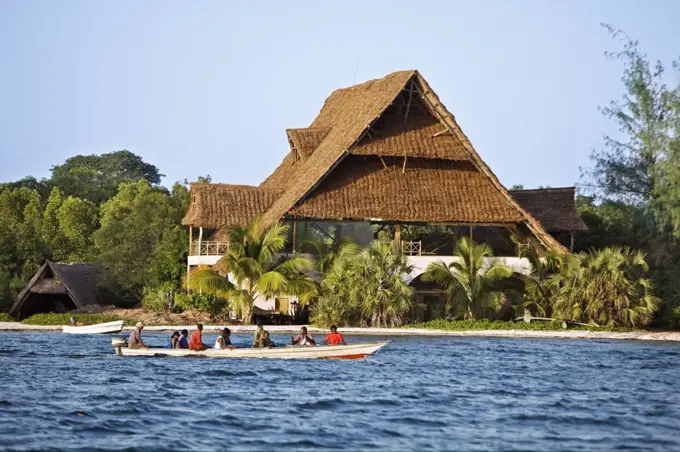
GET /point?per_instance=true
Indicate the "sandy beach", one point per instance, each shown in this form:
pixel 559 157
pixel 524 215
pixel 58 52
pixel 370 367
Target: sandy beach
pixel 238 329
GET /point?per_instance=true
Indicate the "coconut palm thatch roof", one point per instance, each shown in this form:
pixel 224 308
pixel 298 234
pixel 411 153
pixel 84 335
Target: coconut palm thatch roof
pixel 554 208
pixel 59 286
pixel 386 149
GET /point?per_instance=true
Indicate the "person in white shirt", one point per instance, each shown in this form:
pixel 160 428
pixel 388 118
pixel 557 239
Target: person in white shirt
pixel 223 341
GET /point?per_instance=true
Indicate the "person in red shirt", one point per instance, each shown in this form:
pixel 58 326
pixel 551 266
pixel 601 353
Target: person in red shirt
pixel 334 338
pixel 196 340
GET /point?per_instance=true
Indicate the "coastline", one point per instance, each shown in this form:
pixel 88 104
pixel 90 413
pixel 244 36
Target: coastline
pixel 670 336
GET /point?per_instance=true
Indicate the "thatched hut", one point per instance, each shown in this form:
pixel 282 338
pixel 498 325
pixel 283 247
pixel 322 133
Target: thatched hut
pixel 385 152
pixel 385 155
pixel 59 287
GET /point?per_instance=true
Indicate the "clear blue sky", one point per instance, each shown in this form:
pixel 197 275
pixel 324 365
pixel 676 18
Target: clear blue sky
pixel 208 87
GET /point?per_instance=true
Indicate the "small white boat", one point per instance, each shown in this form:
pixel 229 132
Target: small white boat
pixel 350 351
pixel 99 328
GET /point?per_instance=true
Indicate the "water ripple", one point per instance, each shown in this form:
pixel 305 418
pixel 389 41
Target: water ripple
pixel 417 393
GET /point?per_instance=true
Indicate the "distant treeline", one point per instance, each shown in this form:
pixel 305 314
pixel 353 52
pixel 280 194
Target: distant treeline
pixel 108 209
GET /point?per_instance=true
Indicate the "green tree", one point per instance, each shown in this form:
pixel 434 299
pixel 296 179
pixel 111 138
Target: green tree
pixel 43 186
pixel 471 285
pixel 256 268
pixel 606 287
pixel 31 248
pixel 134 223
pixel 97 177
pixel 384 296
pixel 538 286
pixel 78 220
pixel 365 286
pixel 642 166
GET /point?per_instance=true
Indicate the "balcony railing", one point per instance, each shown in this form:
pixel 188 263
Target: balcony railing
pixel 209 248
pixel 412 248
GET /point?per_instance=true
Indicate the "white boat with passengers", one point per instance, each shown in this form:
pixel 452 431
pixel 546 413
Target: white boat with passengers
pixel 350 351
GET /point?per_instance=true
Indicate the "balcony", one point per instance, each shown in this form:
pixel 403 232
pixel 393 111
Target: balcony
pixel 207 252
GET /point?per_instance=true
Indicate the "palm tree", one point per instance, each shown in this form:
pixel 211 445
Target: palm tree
pixel 379 286
pixel 325 253
pixel 472 287
pixel 255 267
pixel 607 287
pixel 539 283
pixel 365 287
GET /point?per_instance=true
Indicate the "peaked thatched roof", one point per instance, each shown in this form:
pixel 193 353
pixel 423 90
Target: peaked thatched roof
pixel 428 190
pixel 321 178
pixel 218 205
pixel 553 207
pixel 348 112
pixel 78 281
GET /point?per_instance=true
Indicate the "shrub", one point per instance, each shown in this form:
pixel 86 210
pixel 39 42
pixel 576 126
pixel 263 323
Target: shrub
pixel 201 301
pixel 159 299
pixel 65 319
pixel 478 325
pixel 607 287
pixel 4 317
pixel 365 287
pixel 332 310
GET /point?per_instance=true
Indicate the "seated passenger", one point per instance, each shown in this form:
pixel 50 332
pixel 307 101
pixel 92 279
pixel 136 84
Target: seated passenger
pixel 173 340
pixel 182 341
pixel 196 340
pixel 135 340
pixel 223 341
pixel 261 337
pixel 303 338
pixel 334 338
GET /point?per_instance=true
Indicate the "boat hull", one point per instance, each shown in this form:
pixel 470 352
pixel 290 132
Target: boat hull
pixel 351 351
pixel 99 328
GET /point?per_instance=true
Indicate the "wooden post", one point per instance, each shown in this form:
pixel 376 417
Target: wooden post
pixel 294 233
pixel 191 235
pixel 471 228
pixel 397 235
pixel 571 242
pixel 200 239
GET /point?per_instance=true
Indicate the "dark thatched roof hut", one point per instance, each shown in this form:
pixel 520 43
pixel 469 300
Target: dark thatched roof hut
pixel 59 288
pixel 553 207
pixel 384 151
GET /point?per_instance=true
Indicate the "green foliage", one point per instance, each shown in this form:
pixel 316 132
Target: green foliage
pixel 538 290
pixel 365 287
pixel 257 268
pixel 485 324
pixel 97 177
pixel 43 187
pixel 473 290
pixel 65 319
pixel 606 287
pixel 199 301
pixel 160 298
pixel 4 317
pixel 640 167
pixel 636 177
pixel 134 233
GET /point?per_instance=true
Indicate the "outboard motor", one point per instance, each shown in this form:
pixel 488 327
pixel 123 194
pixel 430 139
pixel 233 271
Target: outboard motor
pixel 117 343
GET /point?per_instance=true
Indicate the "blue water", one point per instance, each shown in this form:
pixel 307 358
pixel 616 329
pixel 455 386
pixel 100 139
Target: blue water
pixel 61 392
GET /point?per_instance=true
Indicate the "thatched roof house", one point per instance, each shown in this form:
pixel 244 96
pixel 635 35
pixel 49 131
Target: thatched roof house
pixel 384 151
pixel 59 288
